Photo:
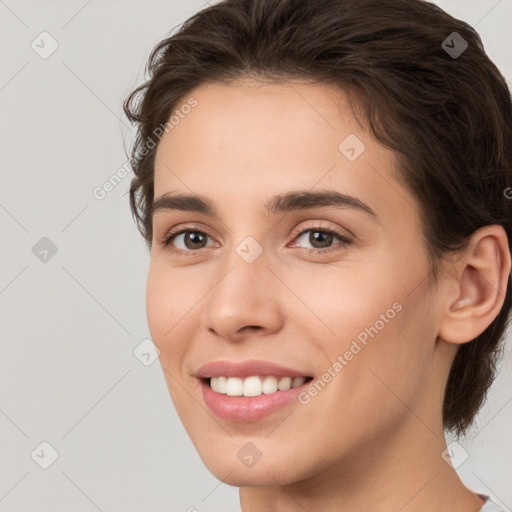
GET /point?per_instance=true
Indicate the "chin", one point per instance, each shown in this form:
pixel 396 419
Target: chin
pixel 233 465
pixel 260 475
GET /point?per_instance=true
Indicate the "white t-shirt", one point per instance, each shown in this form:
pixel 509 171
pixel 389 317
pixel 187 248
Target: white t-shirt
pixel 489 505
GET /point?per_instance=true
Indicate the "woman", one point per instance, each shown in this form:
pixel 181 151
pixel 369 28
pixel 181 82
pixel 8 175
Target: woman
pixel 325 190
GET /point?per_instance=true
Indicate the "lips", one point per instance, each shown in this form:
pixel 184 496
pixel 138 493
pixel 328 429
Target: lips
pixel 243 369
pixel 248 408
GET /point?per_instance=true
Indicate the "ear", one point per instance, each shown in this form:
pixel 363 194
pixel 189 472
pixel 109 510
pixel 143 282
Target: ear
pixel 478 285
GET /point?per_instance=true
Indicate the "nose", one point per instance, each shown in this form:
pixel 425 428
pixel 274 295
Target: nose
pixel 243 301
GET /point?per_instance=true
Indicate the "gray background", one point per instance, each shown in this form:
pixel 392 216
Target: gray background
pixel 70 325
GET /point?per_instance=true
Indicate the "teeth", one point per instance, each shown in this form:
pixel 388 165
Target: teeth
pixel 298 381
pixel 284 384
pixel 254 385
pixel 234 386
pixel 269 385
pixel 218 384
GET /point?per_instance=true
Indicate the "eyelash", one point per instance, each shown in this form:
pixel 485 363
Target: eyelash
pixel 345 241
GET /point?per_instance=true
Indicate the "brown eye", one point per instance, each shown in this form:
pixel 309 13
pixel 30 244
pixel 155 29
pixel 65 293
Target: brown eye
pixel 192 239
pixel 186 241
pixel 321 240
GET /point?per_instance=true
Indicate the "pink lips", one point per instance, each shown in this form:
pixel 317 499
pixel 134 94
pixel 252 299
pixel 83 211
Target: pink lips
pixel 246 369
pixel 241 408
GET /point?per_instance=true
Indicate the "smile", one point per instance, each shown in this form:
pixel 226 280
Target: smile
pixel 254 385
pixel 249 390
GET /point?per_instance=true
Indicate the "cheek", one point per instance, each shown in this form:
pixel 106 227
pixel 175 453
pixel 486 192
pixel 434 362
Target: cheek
pixel 168 302
pixel 378 321
pixel 344 301
pixel 395 366
pixel 157 304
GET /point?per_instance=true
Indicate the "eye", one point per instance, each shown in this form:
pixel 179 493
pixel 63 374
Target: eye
pixel 321 239
pixel 193 239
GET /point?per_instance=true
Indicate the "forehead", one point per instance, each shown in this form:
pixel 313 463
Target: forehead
pixel 262 115
pixel 255 139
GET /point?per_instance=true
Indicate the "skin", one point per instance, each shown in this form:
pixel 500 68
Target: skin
pixel 372 439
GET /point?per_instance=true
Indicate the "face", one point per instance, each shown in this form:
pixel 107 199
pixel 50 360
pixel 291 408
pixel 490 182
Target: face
pixel 307 264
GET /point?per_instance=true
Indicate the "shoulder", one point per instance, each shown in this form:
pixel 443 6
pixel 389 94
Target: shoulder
pixel 489 505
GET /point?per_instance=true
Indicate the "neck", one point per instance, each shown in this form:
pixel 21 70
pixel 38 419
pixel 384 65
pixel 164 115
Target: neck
pixel 404 472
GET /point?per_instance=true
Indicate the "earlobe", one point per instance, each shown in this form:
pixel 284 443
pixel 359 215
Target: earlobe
pixel 481 279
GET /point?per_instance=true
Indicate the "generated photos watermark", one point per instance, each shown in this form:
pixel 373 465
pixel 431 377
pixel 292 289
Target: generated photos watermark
pixel 317 386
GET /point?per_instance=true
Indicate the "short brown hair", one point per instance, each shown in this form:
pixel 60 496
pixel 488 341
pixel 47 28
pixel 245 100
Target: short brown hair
pixel 448 118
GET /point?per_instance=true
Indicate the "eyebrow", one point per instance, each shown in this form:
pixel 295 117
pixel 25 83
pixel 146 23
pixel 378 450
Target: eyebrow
pixel 282 203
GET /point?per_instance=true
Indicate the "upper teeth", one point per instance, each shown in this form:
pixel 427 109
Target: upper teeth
pixel 253 386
